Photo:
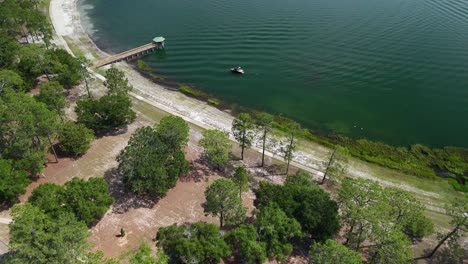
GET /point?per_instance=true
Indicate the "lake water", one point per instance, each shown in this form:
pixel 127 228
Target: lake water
pixel 390 70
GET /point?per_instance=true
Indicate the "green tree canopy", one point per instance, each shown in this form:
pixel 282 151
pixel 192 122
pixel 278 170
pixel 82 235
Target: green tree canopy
pixel 301 199
pixel 148 165
pixel 332 252
pixel 242 129
pixel 276 229
pixel 108 112
pixel 222 200
pixel 116 82
pixel 216 147
pixel 12 182
pixel 87 200
pixel 245 245
pixel 35 236
pixel 144 256
pixel 173 131
pixel 407 212
pixel 52 96
pixel 75 138
pixel 195 243
pixel 25 126
pixel 50 198
pixel 66 68
pixel 11 80
pixel 241 179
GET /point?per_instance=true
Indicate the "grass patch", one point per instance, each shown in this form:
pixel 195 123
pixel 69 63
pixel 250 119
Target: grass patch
pixel 143 66
pixel 74 48
pixel 214 101
pixel 190 91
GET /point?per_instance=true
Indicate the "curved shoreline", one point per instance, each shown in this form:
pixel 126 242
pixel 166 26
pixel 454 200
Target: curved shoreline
pixel 65 19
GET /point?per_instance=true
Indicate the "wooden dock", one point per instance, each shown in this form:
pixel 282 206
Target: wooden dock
pixel 132 54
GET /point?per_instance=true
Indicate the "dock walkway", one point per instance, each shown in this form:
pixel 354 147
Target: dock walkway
pixel 128 55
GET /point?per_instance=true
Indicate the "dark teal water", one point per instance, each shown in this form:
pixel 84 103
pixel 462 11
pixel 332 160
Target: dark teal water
pixel 390 70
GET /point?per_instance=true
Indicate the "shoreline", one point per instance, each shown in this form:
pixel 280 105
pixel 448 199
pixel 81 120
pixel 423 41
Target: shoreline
pixel 65 17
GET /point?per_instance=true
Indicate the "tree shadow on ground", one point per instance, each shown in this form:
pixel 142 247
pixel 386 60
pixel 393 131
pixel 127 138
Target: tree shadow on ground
pixel 199 170
pixel 445 255
pixel 125 199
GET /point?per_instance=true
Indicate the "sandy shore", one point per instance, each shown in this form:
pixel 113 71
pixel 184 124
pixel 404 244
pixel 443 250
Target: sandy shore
pixel 66 21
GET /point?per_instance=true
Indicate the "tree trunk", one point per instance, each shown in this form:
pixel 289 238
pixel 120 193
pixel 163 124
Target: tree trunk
pixel 87 87
pixel 328 167
pixel 440 244
pixel 242 145
pixel 350 232
pixel 240 192
pixel 221 220
pixel 53 149
pixel 264 142
pixel 358 244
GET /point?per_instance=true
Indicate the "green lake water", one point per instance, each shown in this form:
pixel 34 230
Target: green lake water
pixel 390 70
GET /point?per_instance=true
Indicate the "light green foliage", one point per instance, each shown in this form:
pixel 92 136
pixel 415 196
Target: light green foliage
pixel 336 166
pixel 174 131
pixel 24 129
pixel 87 200
pixel 144 256
pixel 241 179
pixel 35 236
pixel 98 258
pixel 195 243
pixel 361 209
pixel 276 229
pixel 264 123
pixel 332 252
pixel 242 129
pixel 12 182
pixel 244 243
pixel 149 165
pixel 301 199
pixel 52 96
pixel 108 112
pixel 11 80
pixel 75 138
pixel 216 147
pixel 392 246
pixel 222 200
pixel 190 91
pixel 116 82
pixel 407 212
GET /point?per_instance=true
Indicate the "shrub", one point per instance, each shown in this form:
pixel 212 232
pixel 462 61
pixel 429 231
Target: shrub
pixel 75 138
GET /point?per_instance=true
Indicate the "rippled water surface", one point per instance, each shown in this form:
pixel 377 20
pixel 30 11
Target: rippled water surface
pixel 392 70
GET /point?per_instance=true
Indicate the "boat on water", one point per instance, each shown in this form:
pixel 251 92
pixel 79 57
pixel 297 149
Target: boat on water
pixel 237 70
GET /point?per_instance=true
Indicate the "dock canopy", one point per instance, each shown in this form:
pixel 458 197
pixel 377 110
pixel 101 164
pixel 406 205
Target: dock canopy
pixel 158 39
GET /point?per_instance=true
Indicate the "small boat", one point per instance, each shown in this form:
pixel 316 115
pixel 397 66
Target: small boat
pixel 238 70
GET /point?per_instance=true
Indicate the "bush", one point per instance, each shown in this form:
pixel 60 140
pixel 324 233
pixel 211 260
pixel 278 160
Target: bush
pixel 190 91
pixel 75 138
pixel 457 186
pixel 214 101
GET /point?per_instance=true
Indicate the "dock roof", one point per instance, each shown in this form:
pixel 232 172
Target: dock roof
pixel 159 39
